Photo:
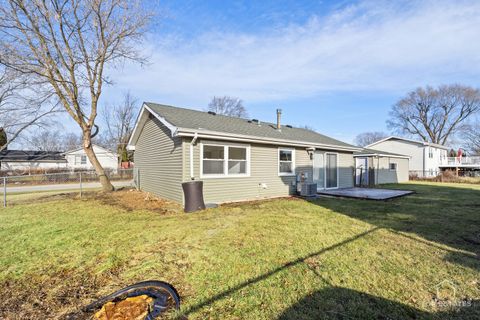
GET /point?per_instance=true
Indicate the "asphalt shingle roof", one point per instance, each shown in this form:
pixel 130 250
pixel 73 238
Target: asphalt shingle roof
pixel 26 155
pixel 196 120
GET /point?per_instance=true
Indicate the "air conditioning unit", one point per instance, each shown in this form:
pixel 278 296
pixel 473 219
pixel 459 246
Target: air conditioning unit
pixel 308 189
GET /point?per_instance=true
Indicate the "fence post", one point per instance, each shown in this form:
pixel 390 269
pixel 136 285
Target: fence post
pixel 80 173
pixel 4 192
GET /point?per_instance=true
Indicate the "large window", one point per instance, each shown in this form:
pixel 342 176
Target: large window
pixel 286 162
pixel 225 160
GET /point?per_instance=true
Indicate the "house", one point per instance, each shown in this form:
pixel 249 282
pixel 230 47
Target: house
pixel 425 157
pixel 374 167
pixel 27 161
pixel 77 159
pixel 237 159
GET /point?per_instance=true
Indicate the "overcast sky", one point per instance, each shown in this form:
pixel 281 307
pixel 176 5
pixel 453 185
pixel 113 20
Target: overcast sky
pixel 336 66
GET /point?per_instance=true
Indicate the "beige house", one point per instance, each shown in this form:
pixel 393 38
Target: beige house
pixel 237 159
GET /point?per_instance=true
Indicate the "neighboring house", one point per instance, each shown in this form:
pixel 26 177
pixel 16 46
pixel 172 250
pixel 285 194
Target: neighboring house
pixel 24 160
pixel 374 167
pixel 77 159
pixel 425 158
pixel 237 159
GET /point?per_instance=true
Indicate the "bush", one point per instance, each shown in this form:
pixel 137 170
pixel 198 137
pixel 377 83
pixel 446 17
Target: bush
pixel 448 176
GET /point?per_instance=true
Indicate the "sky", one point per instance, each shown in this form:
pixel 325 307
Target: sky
pixel 336 66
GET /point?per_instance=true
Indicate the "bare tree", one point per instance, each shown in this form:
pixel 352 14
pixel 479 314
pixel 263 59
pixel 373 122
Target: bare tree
pixel 23 105
pixel 366 138
pixel 471 137
pixel 309 128
pixel 120 121
pixel 68 44
pixel 71 141
pixel 46 140
pixel 434 114
pixel 228 106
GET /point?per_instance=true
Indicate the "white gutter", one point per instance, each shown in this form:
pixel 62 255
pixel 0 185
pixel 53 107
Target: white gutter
pixel 380 155
pixel 194 140
pixel 207 134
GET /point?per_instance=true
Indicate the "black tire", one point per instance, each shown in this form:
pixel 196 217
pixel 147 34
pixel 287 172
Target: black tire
pixel 159 290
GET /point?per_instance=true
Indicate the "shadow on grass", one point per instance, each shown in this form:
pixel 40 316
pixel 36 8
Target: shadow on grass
pixel 443 215
pixel 264 276
pixel 343 303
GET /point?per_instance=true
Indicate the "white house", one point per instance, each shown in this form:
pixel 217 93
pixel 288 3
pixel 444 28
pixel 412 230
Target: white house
pixel 77 159
pixel 425 157
pixel 27 161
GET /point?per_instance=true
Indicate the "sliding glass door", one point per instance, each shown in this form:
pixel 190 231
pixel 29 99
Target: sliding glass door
pixel 331 170
pixel 318 170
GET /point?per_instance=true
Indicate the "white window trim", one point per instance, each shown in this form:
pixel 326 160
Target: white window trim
pixel 225 161
pixel 325 170
pixel 286 174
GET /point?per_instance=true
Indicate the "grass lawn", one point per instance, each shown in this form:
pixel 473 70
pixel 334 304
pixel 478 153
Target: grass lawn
pixel 278 259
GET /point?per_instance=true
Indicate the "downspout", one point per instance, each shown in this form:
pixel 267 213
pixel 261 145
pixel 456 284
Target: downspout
pixel 194 140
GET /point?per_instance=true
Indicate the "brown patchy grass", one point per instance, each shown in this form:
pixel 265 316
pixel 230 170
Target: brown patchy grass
pixel 277 259
pixel 127 199
pixel 130 200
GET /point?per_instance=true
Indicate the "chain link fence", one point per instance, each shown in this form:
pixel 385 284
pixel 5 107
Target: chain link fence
pixel 29 187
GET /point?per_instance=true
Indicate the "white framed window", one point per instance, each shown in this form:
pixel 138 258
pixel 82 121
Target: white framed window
pixel 224 160
pixel 430 152
pixel 286 162
pixel 393 166
pixel 80 159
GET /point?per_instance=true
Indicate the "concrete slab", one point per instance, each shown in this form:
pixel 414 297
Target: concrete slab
pixel 366 193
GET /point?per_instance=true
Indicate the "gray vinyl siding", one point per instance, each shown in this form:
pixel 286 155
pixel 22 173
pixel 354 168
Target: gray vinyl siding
pixel 159 160
pixel 263 170
pixel 346 163
pixel 414 150
pixel 383 174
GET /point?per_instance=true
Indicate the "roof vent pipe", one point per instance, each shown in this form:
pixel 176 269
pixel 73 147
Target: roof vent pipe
pixel 279 118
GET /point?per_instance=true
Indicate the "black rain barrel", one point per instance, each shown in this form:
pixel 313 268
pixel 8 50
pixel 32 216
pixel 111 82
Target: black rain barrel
pixel 193 195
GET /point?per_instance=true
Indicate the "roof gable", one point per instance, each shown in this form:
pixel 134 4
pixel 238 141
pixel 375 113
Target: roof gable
pixel 423 143
pixel 96 148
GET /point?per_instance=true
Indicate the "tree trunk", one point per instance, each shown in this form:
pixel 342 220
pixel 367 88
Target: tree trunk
pixel 104 180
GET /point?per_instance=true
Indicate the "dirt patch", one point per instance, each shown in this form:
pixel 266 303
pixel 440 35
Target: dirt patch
pixel 130 199
pixel 59 297
pixel 126 199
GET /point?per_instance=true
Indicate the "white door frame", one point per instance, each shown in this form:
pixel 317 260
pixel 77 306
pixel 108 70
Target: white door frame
pixel 320 168
pixel 364 171
pixel 325 169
